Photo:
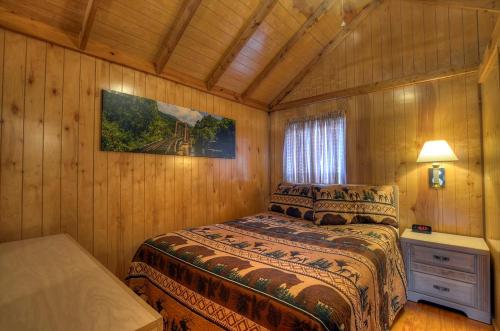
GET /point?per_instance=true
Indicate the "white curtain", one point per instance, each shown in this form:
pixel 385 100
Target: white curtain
pixel 314 150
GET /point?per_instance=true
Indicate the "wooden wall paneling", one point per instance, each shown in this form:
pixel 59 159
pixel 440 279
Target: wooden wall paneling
pixel 411 151
pixel 200 179
pixel 51 218
pixel 415 39
pixel 233 171
pixel 363 142
pixel 399 171
pixel 195 176
pixel 358 58
pixel 2 53
pixel 100 169
pixel 490 97
pixel 396 39
pixel 208 212
pixel 274 155
pixel 443 36
pixel 179 173
pixel 12 137
pixel 138 178
pixel 427 211
pixel 69 143
pixel 111 201
pixel 386 40
pixel 377 51
pixel 351 142
pixel 115 256
pixel 245 163
pixel 127 200
pixel 170 170
pixel 385 132
pixel 160 171
pixel 85 153
pixel 457 37
pixel 187 165
pixel 430 39
pixel 216 164
pixel 250 183
pixel 33 136
pixel 225 192
pixel 461 149
pixel 151 217
pixel 264 156
pixel 418 38
pixel 407 38
pixel 386 135
pixel 471 37
pixel 444 127
pixel 377 134
pixel 475 176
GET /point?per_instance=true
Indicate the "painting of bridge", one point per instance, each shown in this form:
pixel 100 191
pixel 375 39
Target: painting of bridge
pixel 140 125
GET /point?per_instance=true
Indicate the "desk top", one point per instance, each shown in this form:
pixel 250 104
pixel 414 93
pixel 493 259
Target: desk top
pixel 52 283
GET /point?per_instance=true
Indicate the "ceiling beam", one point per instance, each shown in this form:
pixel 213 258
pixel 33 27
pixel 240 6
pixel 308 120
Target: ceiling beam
pixel 483 5
pixel 181 22
pixel 246 32
pixel 311 21
pixel 339 37
pixel 42 31
pixel 88 21
pixel 378 86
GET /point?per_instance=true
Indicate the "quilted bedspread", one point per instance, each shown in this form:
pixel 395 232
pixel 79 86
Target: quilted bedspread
pixel 272 272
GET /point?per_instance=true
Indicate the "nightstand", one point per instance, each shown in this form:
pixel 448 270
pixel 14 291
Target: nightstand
pixel 449 270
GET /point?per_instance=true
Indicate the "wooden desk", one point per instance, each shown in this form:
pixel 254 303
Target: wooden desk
pixel 52 283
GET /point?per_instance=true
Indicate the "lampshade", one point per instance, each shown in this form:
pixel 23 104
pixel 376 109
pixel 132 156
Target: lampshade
pixel 436 151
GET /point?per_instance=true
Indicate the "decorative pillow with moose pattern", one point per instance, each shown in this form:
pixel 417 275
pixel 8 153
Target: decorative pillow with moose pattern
pixel 294 200
pixel 350 204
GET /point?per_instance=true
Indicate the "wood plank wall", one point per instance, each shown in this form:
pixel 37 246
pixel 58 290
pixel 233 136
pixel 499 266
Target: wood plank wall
pixel 385 131
pixel 490 91
pixel 400 38
pixel 53 178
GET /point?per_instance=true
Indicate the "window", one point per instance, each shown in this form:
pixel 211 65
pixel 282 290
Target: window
pixel 314 150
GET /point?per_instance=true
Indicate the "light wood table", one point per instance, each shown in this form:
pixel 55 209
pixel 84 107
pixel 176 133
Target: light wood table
pixel 52 283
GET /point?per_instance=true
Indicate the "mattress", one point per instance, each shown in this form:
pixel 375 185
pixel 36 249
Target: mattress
pixel 273 272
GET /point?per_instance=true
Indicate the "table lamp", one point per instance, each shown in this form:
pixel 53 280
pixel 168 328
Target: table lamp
pixel 436 151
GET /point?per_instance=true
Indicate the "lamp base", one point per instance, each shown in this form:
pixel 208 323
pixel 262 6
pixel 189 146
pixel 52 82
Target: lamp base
pixel 436 176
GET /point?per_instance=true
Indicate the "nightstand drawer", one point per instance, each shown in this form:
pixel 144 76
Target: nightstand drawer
pixel 444 258
pixel 444 272
pixel 451 290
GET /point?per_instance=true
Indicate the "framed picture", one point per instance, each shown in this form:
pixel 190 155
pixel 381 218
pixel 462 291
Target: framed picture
pixel 140 125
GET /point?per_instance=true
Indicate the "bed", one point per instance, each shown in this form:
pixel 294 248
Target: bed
pixel 271 271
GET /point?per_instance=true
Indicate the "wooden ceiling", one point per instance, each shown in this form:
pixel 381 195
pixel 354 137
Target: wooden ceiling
pixel 251 51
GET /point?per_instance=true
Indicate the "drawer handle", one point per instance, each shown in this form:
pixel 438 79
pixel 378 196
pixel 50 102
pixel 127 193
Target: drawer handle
pixel 441 288
pixel 441 258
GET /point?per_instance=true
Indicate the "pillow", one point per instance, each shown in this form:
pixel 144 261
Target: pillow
pixel 295 200
pixel 350 204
